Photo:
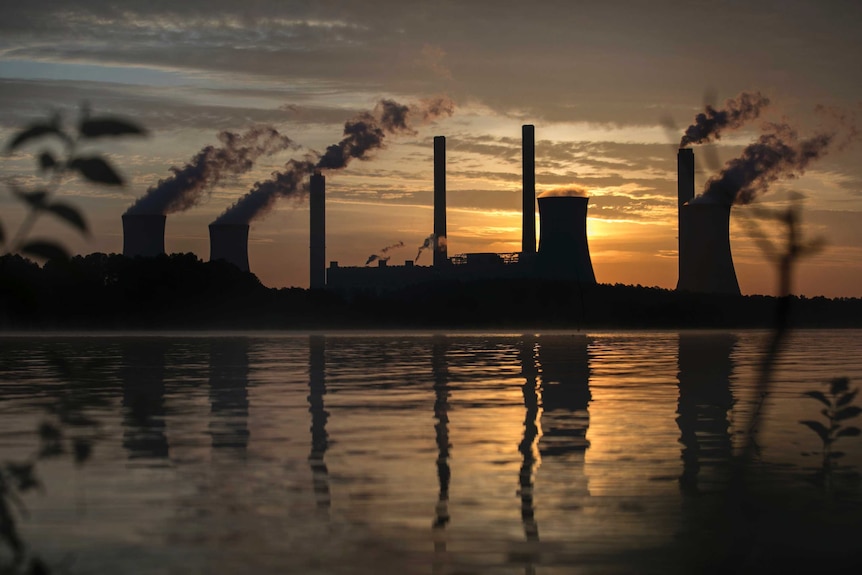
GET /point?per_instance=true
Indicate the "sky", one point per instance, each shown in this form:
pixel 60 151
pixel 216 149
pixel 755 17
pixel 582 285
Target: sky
pixel 610 85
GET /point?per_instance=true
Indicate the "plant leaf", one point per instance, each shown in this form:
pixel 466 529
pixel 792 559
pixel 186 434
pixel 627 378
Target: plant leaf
pixel 848 412
pixel 47 161
pixel 847 397
pixel 848 432
pixel 45 250
pixel 35 131
pixel 97 170
pixel 818 428
pixel 70 214
pixel 35 200
pixel 97 127
pixel 839 385
pixel 819 396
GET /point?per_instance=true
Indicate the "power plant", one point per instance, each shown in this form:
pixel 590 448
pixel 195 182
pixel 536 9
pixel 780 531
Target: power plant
pixel 705 262
pixel 563 251
pixel 229 242
pixel 143 235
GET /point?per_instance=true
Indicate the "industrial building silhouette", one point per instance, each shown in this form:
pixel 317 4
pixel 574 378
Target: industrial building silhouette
pixel 563 251
pixel 705 261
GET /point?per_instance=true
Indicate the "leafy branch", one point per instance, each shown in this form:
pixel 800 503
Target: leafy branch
pixel 93 168
pixel 836 409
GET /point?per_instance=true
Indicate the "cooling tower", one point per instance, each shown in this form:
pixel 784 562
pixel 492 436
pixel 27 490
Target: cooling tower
pixel 684 194
pixel 229 242
pixel 317 227
pixel 563 251
pixel 441 255
pixel 528 173
pixel 705 265
pixel 143 235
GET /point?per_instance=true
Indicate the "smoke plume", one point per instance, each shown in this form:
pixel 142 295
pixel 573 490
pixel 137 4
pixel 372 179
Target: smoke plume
pixel 362 134
pixel 186 187
pixel 779 153
pixel 426 245
pixel 708 125
pixel 381 255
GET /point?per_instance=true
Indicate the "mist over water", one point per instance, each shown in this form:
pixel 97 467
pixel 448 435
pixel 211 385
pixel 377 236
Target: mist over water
pixel 402 453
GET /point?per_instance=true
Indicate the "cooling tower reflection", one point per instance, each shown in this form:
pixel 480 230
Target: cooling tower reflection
pixel 565 374
pixel 319 415
pixel 142 374
pixel 705 367
pixel 228 394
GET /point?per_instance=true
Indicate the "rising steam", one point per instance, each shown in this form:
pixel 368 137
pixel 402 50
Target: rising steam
pixel 708 125
pixel 778 153
pixel 186 187
pixel 570 191
pixel 362 134
pixel 381 255
pixel 428 244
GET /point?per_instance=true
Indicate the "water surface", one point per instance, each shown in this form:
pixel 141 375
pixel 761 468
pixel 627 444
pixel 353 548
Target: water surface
pixel 408 453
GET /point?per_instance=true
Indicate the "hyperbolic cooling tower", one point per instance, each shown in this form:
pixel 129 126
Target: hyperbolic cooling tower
pixel 563 251
pixel 229 242
pixel 441 255
pixel 317 231
pixel 705 264
pixel 143 235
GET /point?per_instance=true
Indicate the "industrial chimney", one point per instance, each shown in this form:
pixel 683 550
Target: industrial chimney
pixel 705 265
pixel 229 242
pixel 528 172
pixel 317 228
pixel 143 235
pixel 441 254
pixel 684 193
pixel 563 250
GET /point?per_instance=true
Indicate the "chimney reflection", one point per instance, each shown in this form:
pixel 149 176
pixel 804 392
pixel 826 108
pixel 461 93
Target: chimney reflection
pixel 229 395
pixel 319 415
pixel 440 372
pixel 528 448
pixel 705 367
pixel 143 378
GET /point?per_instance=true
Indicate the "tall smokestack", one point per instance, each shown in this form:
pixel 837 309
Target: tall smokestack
pixel 528 171
pixel 441 255
pixel 684 194
pixel 229 242
pixel 706 265
pixel 143 235
pixel 563 250
pixel 317 227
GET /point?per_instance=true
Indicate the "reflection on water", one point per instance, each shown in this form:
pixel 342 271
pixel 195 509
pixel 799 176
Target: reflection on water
pixel 705 401
pixel 228 395
pixel 613 438
pixel 142 372
pixel 319 415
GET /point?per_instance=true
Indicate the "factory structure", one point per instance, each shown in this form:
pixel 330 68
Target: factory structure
pixel 705 262
pixel 562 252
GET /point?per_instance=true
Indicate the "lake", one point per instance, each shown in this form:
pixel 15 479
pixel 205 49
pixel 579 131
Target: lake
pixel 598 452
